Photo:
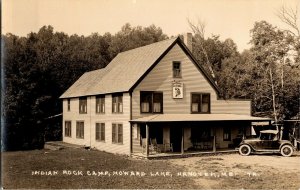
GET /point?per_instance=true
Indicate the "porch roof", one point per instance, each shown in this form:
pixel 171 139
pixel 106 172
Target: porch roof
pixel 197 117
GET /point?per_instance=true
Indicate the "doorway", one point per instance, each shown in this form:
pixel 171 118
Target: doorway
pixel 176 137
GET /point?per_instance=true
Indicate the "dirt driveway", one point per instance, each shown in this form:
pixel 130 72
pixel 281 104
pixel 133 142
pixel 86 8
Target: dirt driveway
pixel 247 172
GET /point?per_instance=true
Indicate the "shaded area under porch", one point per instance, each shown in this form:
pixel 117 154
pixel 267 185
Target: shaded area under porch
pixel 159 138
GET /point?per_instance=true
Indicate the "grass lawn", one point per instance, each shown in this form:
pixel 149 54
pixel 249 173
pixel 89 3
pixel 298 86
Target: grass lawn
pixel 18 167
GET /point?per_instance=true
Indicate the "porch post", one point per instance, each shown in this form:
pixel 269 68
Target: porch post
pixel 214 140
pixel 182 140
pixel 147 140
pixel 214 144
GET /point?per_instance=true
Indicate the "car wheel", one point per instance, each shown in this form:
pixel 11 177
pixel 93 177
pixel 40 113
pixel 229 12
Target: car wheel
pixel 286 150
pixel 244 150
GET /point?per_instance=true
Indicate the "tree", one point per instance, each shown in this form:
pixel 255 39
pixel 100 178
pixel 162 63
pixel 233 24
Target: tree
pixel 132 37
pixel 270 47
pixel 40 67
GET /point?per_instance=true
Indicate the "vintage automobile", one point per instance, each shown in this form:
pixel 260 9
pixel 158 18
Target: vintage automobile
pixel 268 141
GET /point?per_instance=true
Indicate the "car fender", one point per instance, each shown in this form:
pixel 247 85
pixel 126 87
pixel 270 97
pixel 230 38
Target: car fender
pixel 248 145
pixel 287 143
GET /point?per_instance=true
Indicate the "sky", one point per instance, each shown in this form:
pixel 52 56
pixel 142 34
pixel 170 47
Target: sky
pixel 228 18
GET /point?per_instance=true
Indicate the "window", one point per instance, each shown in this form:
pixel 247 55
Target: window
pixel 268 136
pixel 176 69
pixel 80 129
pixel 151 102
pixel 226 134
pixel 200 133
pixel 100 104
pixel 69 104
pixel 83 105
pixel 100 131
pixel 117 103
pixel 200 103
pixel 117 133
pixel 68 128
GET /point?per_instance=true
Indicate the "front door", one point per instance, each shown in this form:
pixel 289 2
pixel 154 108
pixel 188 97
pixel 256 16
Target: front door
pixel 176 137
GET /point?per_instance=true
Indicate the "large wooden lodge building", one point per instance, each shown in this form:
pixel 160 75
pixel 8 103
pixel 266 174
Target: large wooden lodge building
pixel 153 100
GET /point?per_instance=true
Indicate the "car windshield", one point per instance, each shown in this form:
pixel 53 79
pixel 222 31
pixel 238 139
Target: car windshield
pixel 267 136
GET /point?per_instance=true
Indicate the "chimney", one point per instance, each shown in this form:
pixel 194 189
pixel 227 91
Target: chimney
pixel 187 39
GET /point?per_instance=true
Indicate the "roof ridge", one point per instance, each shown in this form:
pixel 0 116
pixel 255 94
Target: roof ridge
pixel 152 44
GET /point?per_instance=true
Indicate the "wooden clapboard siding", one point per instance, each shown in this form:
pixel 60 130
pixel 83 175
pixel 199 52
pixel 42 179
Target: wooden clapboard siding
pixel 161 78
pixel 74 116
pixel 220 134
pixel 136 146
pixel 91 118
pixel 135 136
pixel 242 107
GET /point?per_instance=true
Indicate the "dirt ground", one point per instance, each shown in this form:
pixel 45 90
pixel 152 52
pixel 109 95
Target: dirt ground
pixel 92 169
pixel 243 172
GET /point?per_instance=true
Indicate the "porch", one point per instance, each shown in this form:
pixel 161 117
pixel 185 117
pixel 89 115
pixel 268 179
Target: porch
pixel 163 155
pixel 168 135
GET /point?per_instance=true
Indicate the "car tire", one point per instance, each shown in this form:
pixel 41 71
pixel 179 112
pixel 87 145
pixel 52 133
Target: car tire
pixel 245 150
pixel 286 150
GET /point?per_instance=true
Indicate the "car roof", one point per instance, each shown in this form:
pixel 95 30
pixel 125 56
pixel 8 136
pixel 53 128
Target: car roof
pixel 269 131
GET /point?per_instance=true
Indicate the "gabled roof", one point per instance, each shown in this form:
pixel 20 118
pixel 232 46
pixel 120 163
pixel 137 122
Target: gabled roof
pixel 126 70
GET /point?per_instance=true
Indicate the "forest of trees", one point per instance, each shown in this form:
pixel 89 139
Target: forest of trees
pixel 38 68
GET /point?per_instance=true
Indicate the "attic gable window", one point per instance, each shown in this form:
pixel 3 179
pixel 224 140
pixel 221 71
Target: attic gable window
pixel 151 102
pixel 200 103
pixel 83 105
pixel 176 69
pixel 100 104
pixel 117 103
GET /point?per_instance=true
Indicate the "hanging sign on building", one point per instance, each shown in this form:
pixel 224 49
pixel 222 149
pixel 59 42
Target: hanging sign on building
pixel 177 90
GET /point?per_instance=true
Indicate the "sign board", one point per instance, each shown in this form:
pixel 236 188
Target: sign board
pixel 177 90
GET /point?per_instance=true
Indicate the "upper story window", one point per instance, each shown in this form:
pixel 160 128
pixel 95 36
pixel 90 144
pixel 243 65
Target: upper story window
pixel 151 102
pixel 83 105
pixel 100 104
pixel 117 103
pixel 200 103
pixel 176 69
pixel 69 104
